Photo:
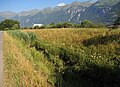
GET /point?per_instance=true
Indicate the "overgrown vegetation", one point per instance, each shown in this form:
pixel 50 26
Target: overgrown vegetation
pixel 65 58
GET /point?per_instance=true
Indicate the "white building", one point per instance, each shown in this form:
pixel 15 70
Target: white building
pixel 39 25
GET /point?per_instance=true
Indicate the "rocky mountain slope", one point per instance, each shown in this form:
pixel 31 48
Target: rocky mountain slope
pixel 57 14
pixel 102 11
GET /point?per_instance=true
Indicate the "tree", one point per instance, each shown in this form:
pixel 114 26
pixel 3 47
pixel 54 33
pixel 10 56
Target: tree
pixel 15 26
pixel 59 25
pixel 77 25
pixel 87 24
pixel 9 24
pixel 2 26
pixel 100 25
pixel 117 22
pixel 36 27
pixel 52 25
pixel 67 25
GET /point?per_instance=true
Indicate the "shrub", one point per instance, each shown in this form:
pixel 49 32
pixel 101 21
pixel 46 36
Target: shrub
pixel 28 38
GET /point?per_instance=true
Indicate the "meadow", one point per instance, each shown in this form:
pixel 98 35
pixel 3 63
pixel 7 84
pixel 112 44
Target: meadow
pixel 84 57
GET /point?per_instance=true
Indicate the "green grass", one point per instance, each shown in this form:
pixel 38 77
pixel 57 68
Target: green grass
pixel 64 57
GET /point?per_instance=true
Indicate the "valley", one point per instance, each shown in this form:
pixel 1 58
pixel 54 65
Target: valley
pixel 60 44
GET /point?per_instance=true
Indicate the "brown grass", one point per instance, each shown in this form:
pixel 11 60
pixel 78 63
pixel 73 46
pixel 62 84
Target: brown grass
pixel 18 71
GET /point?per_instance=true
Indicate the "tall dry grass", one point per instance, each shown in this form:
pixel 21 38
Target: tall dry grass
pixel 18 69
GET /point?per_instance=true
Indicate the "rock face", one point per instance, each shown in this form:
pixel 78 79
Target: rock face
pixel 101 11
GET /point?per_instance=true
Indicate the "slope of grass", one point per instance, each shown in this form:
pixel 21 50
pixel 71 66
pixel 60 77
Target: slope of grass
pixel 22 66
pixel 63 58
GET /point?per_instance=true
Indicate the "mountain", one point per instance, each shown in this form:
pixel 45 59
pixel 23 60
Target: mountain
pixel 106 2
pixel 1 18
pixel 24 15
pixel 28 13
pixel 57 14
pixel 104 11
pixel 7 14
pixel 101 11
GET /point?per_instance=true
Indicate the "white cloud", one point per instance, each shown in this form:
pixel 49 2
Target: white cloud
pixel 61 4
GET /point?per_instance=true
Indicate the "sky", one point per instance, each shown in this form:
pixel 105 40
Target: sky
pixel 24 5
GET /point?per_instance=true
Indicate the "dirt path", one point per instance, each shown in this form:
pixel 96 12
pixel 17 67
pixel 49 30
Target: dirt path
pixel 1 59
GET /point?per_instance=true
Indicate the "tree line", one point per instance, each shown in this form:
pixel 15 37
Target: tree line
pixel 9 24
pixel 83 24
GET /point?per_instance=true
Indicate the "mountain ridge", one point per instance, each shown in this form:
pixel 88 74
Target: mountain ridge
pixel 74 12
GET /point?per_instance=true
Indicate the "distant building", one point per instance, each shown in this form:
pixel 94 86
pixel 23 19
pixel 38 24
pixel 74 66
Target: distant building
pixel 113 26
pixel 38 25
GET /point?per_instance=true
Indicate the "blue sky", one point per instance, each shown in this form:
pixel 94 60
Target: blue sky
pixel 23 5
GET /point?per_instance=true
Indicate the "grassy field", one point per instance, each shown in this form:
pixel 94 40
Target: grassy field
pixel 62 58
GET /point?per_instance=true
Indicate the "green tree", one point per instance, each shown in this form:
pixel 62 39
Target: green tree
pixel 42 27
pixel 9 24
pixel 64 25
pixel 15 26
pixel 59 25
pixel 87 24
pixel 52 25
pixel 2 26
pixel 77 25
pixel 67 25
pixel 36 27
pixel 117 21
pixel 100 25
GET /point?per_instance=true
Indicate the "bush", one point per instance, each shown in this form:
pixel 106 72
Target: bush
pixel 28 38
